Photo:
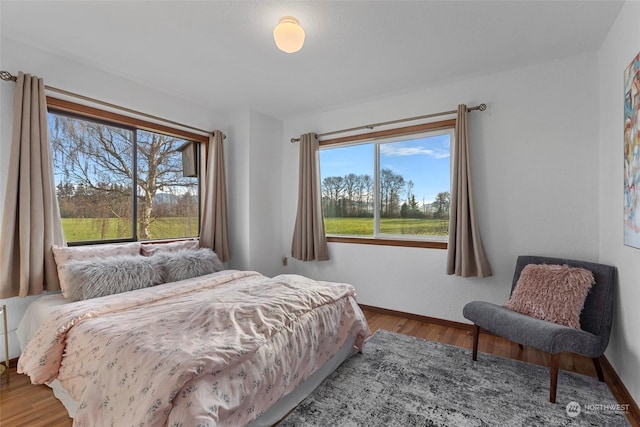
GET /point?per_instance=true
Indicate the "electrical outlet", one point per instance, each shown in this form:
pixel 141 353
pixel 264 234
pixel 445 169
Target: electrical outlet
pixel 284 261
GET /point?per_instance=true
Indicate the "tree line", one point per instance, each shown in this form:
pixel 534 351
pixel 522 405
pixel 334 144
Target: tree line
pixel 353 196
pixel 112 200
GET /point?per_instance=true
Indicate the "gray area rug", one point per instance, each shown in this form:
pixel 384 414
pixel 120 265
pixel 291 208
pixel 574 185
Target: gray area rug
pixel 406 381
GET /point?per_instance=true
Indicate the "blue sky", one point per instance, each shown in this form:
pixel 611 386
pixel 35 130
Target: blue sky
pixel 425 161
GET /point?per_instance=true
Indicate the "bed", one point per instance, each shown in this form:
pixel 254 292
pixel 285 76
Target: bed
pixel 226 348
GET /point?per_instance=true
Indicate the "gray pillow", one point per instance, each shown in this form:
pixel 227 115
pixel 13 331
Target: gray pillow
pixel 186 263
pixel 97 277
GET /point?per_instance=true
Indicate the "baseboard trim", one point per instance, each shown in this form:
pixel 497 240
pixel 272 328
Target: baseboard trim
pixel 418 317
pixel 634 410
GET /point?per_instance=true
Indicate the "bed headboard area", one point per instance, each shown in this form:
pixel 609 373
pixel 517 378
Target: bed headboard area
pixel 98 270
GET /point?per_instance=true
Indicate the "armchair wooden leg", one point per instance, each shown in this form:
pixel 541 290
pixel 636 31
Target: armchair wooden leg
pixel 476 334
pixel 598 365
pixel 553 371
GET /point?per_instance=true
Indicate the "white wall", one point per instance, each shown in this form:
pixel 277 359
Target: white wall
pixel 87 80
pixel 620 47
pixel 72 76
pixel 535 171
pixel 255 208
pixel 238 188
pixel 266 204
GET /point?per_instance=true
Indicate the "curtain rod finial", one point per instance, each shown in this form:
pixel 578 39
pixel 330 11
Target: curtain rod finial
pixel 482 107
pixel 7 76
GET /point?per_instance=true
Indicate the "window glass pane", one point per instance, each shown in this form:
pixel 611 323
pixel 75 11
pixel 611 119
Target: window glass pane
pixel 93 176
pixel 167 201
pixel 347 182
pixel 396 187
pixel 415 180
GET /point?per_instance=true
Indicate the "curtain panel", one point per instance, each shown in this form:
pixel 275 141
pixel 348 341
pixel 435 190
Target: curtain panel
pixel 465 256
pixel 214 232
pixel 309 238
pixel 30 217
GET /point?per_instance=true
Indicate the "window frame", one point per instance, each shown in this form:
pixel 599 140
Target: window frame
pixel 80 111
pixel 448 125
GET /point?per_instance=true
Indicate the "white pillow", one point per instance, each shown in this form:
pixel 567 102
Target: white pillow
pixel 149 249
pixel 64 255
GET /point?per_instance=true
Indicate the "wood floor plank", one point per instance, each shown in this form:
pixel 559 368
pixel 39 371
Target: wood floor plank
pixel 25 405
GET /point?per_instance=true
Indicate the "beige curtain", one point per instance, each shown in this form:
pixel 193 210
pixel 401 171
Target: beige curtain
pixel 309 239
pixel 213 225
pixel 30 216
pixel 465 255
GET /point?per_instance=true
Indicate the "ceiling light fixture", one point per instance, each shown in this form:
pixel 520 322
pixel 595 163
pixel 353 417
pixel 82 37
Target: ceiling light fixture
pixel 288 35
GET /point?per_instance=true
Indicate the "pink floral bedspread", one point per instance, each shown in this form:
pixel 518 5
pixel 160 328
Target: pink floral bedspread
pixel 215 350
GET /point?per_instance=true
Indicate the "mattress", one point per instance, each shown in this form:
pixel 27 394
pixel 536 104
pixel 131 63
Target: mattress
pixel 35 314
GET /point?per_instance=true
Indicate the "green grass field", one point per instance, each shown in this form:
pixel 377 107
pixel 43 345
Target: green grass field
pixel 364 226
pixel 87 229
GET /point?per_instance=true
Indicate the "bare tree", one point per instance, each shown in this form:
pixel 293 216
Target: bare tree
pixel 90 154
pixel 334 186
pixel 367 188
pixel 350 189
pixel 158 170
pixel 441 204
pixel 409 189
pixel 391 185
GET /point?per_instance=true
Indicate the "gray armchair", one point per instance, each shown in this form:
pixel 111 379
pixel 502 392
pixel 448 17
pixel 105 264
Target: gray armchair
pixel 595 320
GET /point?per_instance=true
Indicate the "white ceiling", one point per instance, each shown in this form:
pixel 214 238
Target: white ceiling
pixel 221 54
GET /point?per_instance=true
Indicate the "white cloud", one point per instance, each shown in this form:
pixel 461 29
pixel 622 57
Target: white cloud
pixel 398 150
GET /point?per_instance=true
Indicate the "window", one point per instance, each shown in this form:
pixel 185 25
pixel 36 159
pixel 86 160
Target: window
pixel 117 181
pixel 389 187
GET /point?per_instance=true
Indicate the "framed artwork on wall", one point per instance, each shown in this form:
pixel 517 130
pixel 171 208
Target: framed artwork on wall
pixel 632 154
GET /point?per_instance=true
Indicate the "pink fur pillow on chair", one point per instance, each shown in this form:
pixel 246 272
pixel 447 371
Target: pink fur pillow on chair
pixel 555 293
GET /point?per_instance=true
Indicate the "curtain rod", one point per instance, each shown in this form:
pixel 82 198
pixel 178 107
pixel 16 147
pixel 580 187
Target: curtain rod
pixel 480 107
pixel 7 76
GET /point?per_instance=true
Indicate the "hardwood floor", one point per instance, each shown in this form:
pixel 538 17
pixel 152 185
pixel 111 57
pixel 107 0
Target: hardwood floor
pixel 24 404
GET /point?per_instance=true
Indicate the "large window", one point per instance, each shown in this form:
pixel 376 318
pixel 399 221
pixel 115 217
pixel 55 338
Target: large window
pixel 392 189
pixel 118 182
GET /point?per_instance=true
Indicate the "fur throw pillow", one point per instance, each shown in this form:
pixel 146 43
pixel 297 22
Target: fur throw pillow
pixel 97 277
pixel 187 263
pixel 64 255
pixel 555 293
